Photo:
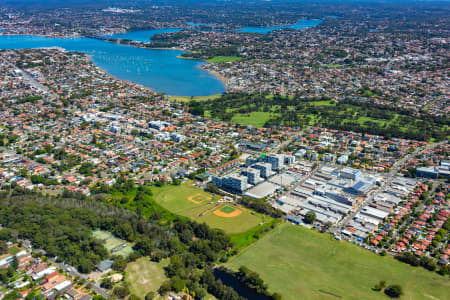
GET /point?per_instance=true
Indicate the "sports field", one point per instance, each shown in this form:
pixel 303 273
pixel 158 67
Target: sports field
pixel 227 209
pixel 115 246
pixel 240 220
pixel 145 276
pixel 301 263
pixel 191 201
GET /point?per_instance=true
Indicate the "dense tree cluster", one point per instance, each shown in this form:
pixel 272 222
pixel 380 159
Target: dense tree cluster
pixel 198 248
pixel 60 232
pixel 310 217
pixel 261 206
pixel 251 280
pixel 196 108
pixel 142 202
pixel 38 179
pixel 411 259
pixel 7 274
pixel 7 139
pixel 217 288
pixel 394 291
pixel 298 111
pixel 63 228
pixel 30 99
pixel 246 278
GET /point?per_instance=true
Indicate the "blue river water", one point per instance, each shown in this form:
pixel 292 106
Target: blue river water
pixel 160 70
pixel 229 280
pixel 299 25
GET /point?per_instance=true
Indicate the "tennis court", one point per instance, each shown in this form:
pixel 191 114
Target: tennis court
pixel 102 235
pixel 114 245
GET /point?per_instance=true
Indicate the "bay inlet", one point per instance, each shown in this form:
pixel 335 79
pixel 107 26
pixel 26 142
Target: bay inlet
pixel 158 69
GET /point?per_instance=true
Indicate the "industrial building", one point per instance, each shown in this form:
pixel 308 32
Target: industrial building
pixel 361 187
pixel 350 173
pixel 373 214
pixel 262 190
pixel 427 172
pixel 442 171
pixel 324 193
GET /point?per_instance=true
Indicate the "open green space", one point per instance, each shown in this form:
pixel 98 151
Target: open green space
pixel 170 201
pixel 13 250
pixel 238 224
pixel 140 199
pixel 301 263
pixel 196 98
pixel 184 199
pixel 223 59
pixel 322 103
pixel 101 235
pixel 193 202
pixel 114 245
pixel 244 239
pixel 255 118
pixel 360 116
pixel 145 276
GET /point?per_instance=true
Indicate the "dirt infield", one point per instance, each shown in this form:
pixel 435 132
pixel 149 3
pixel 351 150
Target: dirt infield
pixel 232 214
pixel 191 198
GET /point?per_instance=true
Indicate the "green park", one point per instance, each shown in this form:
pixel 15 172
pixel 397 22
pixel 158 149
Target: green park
pixel 300 263
pixel 190 201
pixel 145 276
pixel 223 59
pixel 264 110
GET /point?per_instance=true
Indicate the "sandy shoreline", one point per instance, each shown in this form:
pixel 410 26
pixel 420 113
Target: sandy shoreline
pixel 215 73
pixel 218 75
pixel 171 48
pixel 187 57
